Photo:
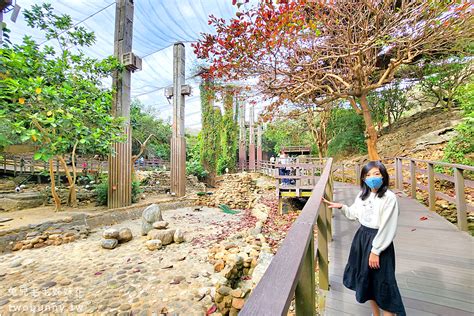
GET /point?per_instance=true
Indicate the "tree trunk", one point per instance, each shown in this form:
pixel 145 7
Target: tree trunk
pixel 54 194
pixel 371 132
pixel 72 197
pixel 319 135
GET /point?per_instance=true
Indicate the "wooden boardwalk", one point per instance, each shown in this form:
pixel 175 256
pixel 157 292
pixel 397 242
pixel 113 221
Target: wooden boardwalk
pixel 434 267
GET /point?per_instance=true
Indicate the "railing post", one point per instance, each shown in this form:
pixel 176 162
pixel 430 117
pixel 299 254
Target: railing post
pixel 413 178
pixel 14 166
pixel 357 174
pixel 399 173
pixel 431 187
pixel 5 163
pixel 305 297
pixel 460 199
pixel 323 261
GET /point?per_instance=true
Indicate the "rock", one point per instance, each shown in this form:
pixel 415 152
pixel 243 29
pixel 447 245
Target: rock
pixel 109 243
pixel 49 284
pixel 263 262
pixel 125 234
pixel 177 279
pixel 238 303
pixel 153 244
pixel 111 233
pixel 19 201
pixel 125 307
pixel 219 265
pixel 166 266
pixel 178 236
pixel 160 225
pixel 16 263
pixel 166 236
pixel 236 293
pixel 17 246
pixel 224 290
pixel 150 215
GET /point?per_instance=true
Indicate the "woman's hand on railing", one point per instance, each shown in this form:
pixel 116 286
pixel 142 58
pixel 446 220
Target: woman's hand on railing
pixel 332 204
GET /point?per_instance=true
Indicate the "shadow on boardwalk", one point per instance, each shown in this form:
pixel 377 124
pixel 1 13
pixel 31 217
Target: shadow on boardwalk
pixel 434 267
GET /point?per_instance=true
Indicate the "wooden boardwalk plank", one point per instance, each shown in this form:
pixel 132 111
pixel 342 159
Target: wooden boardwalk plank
pixel 435 262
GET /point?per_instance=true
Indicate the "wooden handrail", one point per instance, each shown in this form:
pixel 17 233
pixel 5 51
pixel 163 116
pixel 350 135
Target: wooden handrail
pixel 291 272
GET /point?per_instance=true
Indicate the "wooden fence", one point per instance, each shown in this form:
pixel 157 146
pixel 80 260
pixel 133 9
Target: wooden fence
pixel 19 164
pixel 292 271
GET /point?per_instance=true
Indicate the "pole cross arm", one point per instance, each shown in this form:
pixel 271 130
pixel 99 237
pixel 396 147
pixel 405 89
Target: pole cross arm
pixel 185 90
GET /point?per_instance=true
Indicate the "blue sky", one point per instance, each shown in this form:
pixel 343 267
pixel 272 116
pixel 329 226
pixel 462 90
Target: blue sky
pixel 157 25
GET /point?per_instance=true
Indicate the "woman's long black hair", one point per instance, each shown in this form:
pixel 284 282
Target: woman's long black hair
pixel 365 188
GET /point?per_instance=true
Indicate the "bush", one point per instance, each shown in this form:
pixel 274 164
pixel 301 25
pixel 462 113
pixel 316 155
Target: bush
pixel 346 131
pixel 195 168
pixel 103 188
pixel 460 149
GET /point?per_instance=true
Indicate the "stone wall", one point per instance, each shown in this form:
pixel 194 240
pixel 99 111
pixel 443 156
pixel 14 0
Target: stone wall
pixel 80 222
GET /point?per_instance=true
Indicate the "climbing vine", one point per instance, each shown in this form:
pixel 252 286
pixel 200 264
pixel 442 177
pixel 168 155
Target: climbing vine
pixel 229 135
pixel 211 127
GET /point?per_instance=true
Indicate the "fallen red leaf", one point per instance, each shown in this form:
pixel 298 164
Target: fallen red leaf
pixel 423 218
pixel 211 310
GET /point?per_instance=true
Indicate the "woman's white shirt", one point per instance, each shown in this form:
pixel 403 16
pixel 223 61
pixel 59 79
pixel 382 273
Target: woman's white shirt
pixel 378 213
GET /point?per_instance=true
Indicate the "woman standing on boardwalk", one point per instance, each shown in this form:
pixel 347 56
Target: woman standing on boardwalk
pixel 370 270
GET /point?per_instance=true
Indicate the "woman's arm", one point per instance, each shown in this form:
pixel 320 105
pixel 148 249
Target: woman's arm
pixel 351 212
pixel 388 226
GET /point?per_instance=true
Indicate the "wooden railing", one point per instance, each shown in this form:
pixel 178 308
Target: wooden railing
pixel 292 271
pixel 413 167
pixel 26 164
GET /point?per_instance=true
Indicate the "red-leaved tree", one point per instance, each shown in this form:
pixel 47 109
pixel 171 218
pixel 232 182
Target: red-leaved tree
pixel 318 51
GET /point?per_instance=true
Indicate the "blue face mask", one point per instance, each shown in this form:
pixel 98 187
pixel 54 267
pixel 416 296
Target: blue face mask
pixel 374 182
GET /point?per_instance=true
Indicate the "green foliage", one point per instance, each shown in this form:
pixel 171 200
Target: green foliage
pixel 285 132
pixel 193 159
pixel 102 191
pixel 211 128
pixel 229 137
pixel 55 99
pixel 346 133
pixel 460 149
pixel 143 125
pixel 442 80
pixel 388 105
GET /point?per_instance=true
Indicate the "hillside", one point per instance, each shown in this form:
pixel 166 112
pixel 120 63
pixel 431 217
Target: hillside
pixel 422 135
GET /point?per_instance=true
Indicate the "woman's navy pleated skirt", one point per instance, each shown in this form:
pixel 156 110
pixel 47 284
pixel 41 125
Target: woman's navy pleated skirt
pixel 373 284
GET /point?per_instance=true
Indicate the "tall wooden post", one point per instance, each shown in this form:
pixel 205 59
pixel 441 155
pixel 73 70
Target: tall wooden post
pixel 178 142
pixel 251 139
pixel 242 138
pixel 120 160
pixel 259 145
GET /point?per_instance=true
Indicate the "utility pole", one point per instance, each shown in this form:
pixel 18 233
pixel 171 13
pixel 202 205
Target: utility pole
pixel 259 144
pixel 252 138
pixel 242 138
pixel 120 160
pixel 178 141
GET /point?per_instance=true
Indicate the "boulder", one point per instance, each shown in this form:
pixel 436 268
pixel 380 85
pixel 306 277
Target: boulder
pixel 178 236
pixel 111 233
pixel 125 234
pixel 150 215
pixel 166 236
pixel 160 225
pixel 153 244
pixel 109 243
